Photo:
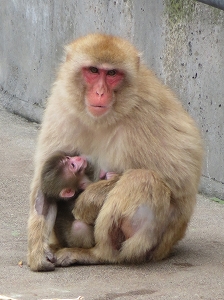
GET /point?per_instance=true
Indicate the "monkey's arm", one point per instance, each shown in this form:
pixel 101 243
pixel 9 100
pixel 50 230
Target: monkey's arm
pixel 89 203
pixel 40 225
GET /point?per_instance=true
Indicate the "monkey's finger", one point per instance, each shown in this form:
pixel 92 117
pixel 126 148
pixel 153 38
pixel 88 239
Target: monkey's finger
pixel 46 266
pixel 51 257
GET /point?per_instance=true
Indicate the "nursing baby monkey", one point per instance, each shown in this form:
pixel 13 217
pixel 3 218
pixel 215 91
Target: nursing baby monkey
pixel 108 106
pixel 63 178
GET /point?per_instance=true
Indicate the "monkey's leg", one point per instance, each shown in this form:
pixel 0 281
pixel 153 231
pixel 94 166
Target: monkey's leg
pixel 79 235
pixel 176 227
pixel 40 226
pixel 140 209
pixel 169 220
pixel 130 224
pixel 69 232
pixel 89 203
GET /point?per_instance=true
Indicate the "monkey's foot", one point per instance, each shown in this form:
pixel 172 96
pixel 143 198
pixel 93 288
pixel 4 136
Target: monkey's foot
pixel 65 257
pixel 70 256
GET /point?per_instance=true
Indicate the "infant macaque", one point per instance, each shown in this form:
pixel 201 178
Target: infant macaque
pixel 63 178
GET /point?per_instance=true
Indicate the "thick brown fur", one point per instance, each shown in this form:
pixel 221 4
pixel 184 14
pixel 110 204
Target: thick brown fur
pixel 146 130
pixel 94 198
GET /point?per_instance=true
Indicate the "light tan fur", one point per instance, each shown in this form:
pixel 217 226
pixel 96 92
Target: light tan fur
pixel 146 130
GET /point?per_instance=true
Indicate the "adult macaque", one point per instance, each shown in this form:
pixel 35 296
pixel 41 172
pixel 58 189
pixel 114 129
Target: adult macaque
pixel 108 106
pixel 62 179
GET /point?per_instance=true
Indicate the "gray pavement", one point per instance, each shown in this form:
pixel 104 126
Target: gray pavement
pixel 194 271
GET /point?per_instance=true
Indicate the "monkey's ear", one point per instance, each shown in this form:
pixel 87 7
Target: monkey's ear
pixel 68 50
pixel 67 193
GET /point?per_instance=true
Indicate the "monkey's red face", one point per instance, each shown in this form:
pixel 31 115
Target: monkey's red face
pixel 75 164
pixel 101 84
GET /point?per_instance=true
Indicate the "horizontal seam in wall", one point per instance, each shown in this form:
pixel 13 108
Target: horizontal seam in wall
pixel 213 179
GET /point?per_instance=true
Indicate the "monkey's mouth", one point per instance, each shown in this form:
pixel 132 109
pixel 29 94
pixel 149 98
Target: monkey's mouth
pixel 98 110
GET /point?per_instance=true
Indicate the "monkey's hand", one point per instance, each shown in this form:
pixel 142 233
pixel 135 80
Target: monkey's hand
pixel 89 203
pixel 41 260
pixel 107 175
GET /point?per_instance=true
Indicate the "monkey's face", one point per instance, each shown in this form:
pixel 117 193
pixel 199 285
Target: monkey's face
pixel 99 77
pixel 101 83
pixel 75 165
pixel 62 172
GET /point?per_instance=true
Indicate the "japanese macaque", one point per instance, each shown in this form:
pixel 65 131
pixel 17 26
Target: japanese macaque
pixel 62 179
pixel 108 106
pixel 63 176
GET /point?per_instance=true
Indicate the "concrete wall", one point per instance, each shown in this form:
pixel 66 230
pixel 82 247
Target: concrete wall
pixel 182 41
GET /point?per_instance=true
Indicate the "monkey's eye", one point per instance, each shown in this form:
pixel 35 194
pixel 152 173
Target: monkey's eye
pixel 111 72
pixel 93 70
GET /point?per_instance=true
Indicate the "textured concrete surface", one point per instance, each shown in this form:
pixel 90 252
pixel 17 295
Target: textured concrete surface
pixel 182 41
pixel 194 271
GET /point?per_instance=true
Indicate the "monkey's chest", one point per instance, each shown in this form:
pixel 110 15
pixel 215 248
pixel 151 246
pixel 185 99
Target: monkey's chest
pixel 108 154
pixel 116 150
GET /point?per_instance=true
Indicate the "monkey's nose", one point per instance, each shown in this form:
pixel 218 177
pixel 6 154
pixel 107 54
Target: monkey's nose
pixel 100 94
